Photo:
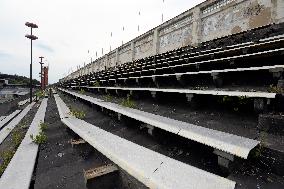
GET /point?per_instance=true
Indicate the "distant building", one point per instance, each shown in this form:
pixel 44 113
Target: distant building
pixel 45 76
pixel 3 82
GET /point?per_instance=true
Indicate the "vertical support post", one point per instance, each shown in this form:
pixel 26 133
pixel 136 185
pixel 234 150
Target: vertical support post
pixel 196 29
pixel 155 42
pixel 31 70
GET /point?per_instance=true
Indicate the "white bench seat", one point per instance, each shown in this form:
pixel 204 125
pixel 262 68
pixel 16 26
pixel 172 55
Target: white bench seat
pixel 232 144
pixel 151 168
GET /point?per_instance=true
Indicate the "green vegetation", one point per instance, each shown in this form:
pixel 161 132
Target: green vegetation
pixel 77 113
pixel 108 97
pixel 6 157
pixel 275 89
pixel 15 79
pixel 41 137
pixel 43 126
pixel 39 94
pixel 17 137
pixel 82 91
pixel 96 84
pixel 234 102
pixel 128 102
pixel 259 150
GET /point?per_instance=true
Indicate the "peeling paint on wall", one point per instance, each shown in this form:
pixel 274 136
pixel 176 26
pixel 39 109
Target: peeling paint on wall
pixel 237 18
pixel 176 39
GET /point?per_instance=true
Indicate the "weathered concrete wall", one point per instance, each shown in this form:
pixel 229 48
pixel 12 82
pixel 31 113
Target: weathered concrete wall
pixel 175 35
pixel 143 47
pixel 235 17
pixel 209 20
pixel 125 54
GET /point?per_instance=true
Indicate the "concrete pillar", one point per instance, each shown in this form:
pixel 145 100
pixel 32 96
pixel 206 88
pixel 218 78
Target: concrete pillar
pixel 278 11
pixel 132 50
pixel 116 56
pixel 155 42
pixel 196 26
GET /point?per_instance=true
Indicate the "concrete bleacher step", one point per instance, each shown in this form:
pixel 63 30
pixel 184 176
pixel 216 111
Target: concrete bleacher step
pixel 154 69
pixel 210 52
pixel 272 69
pixel 188 91
pixel 229 143
pixel 221 60
pixel 151 168
pixel 18 173
pixel 2 117
pixel 8 118
pixel 5 131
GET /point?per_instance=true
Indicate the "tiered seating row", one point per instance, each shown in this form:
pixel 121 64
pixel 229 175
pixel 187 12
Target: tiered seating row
pixel 232 144
pixel 19 172
pixel 151 168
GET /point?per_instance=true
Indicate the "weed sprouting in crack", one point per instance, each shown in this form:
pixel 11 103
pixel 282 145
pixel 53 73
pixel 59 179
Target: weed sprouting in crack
pixel 80 114
pixel 128 102
pixel 41 137
pixel 108 97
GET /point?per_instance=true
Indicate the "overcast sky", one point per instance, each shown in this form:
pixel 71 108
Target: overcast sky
pixel 69 28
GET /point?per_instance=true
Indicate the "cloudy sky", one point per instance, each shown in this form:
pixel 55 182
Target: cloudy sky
pixel 69 28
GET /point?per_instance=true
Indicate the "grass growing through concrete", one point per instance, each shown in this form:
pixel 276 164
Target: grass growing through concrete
pixel 235 102
pixel 128 102
pixel 77 113
pixel 275 89
pixel 6 157
pixel 82 91
pixel 96 84
pixel 41 137
pixel 108 97
pixel 39 94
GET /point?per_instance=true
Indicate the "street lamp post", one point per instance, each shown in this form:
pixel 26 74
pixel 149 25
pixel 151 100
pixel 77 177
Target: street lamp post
pixel 41 80
pixel 31 37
